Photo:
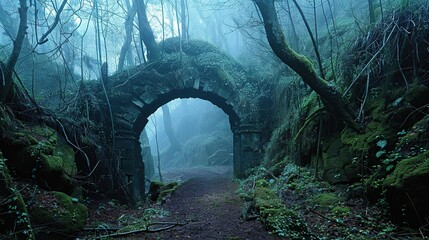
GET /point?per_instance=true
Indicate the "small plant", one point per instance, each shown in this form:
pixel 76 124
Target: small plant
pixel 381 144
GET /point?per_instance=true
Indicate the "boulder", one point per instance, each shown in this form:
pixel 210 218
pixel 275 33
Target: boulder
pixel 407 190
pixel 56 215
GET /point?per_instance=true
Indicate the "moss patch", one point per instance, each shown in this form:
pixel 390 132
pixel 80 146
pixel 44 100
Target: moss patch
pixel 58 213
pixel 338 163
pixel 325 200
pixel 158 190
pixel 275 216
pixel 40 153
pixel 341 211
pixel 409 170
pixel 407 191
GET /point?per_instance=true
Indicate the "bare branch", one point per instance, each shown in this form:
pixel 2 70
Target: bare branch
pixel 44 39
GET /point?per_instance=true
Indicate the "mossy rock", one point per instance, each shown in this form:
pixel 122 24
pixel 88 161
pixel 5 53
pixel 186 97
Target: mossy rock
pixel 265 198
pixel 155 190
pixel 58 215
pixel 338 164
pixel 42 154
pixel 67 155
pixel 417 95
pixel 278 168
pixel 158 190
pixel 168 189
pixel 415 139
pixel 365 144
pixel 51 172
pixel 407 191
pixel 14 220
pixel 324 200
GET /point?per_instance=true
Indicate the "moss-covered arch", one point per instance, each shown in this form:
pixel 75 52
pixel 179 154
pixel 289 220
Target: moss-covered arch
pixel 199 71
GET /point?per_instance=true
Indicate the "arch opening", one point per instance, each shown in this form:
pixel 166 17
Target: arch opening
pixel 163 99
pixel 184 137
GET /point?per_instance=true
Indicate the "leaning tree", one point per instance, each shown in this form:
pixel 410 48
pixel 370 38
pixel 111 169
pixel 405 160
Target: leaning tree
pixel 332 99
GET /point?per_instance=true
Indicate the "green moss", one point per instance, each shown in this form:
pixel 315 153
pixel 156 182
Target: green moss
pixel 285 223
pixel 338 161
pixel 40 153
pixel 58 213
pixel 362 142
pixel 24 139
pixel 261 183
pixel 341 211
pixel 409 170
pixel 168 189
pixel 275 217
pixel 265 199
pixel 158 190
pixel 51 163
pixel 406 190
pixel 46 133
pixel 67 155
pixel 325 200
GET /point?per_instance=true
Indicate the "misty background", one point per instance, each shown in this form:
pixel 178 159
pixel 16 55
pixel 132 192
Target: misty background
pixel 68 40
pixel 203 135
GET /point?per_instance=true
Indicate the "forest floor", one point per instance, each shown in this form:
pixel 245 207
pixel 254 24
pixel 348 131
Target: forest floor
pixel 207 205
pixel 204 206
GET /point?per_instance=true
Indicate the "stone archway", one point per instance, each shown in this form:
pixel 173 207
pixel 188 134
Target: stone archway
pixel 198 71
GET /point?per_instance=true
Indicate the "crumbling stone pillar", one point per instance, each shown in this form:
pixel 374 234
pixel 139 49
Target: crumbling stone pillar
pixel 128 151
pixel 248 150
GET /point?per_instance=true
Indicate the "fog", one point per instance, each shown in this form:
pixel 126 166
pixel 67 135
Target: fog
pixel 89 33
pixel 203 135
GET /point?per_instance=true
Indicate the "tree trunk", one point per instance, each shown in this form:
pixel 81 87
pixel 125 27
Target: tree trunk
pixel 313 39
pixel 6 82
pixel 371 11
pixel 184 20
pixel 128 36
pixel 146 33
pixel 174 144
pixel 330 96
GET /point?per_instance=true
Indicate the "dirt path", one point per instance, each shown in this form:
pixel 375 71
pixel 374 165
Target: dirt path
pixel 208 200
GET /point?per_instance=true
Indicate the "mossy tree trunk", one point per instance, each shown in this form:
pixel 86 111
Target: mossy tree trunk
pixel 330 96
pixel 6 83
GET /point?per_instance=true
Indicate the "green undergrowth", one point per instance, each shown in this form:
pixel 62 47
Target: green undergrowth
pixel 131 223
pixel 158 191
pixel 272 213
pixel 297 205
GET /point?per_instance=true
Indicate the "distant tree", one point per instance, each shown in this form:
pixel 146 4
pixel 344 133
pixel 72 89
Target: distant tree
pixel 174 144
pixel 371 9
pixel 330 96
